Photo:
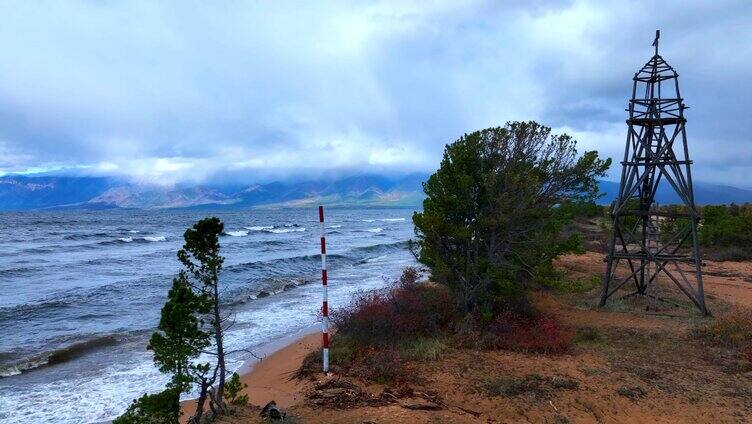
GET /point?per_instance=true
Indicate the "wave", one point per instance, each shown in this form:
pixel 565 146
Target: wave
pixel 39 249
pixel 21 366
pixel 384 220
pixel 294 229
pixel 65 353
pixel 145 239
pixel 292 264
pixel 300 262
pixel 239 233
pixel 291 272
pixel 383 247
pixel 84 236
pixel 375 230
pixel 271 289
pixel 259 227
pixel 335 226
pixel 276 229
pixel 370 260
pixel 64 306
pixel 19 271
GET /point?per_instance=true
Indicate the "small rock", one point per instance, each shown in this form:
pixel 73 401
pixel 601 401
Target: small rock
pixel 262 294
pixel 272 412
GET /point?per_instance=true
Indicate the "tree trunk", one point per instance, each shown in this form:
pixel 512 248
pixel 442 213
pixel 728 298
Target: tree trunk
pixel 219 400
pixel 196 418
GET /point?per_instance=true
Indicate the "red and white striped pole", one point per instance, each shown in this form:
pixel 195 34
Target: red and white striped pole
pixel 325 306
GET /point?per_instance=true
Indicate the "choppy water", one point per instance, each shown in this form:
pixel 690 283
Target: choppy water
pixel 80 293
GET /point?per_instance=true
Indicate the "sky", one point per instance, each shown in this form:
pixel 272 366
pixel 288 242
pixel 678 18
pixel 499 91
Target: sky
pixel 182 92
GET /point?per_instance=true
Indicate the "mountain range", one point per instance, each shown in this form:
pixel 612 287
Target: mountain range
pixel 20 192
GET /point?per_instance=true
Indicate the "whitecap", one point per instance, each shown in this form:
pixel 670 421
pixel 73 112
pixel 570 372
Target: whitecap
pixel 286 230
pixel 155 238
pixel 126 239
pixel 335 226
pixel 375 230
pixel 369 220
pixel 392 219
pixel 259 227
pixel 9 371
pixel 134 231
pixel 239 233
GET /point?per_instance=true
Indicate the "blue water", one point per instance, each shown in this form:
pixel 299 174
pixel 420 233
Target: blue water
pixel 81 293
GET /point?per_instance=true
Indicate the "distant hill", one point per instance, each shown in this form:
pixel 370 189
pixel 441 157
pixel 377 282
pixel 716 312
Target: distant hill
pixel 51 192
pixel 705 194
pixel 22 192
pixel 65 192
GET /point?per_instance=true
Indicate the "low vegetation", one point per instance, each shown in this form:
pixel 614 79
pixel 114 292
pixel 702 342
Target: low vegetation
pixel 732 329
pixel 381 330
pixel 532 384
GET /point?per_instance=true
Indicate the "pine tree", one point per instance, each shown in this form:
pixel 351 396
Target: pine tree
pixel 190 324
pixel 201 259
pixel 180 338
pixel 492 219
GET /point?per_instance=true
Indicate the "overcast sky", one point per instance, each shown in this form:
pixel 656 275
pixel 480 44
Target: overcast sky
pixel 170 92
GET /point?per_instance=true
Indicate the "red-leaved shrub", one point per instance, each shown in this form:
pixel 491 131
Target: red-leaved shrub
pixel 406 310
pixel 532 333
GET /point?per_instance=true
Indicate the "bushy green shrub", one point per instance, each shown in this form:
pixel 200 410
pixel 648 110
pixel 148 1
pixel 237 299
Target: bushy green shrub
pixel 726 226
pixel 233 387
pixel 158 408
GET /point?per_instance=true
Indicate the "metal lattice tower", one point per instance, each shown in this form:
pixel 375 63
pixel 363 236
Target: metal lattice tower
pixel 656 153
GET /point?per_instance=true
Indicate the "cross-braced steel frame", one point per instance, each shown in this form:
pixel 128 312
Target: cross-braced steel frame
pixel 656 153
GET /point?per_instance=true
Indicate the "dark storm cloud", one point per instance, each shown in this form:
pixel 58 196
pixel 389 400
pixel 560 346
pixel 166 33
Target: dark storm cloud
pixel 175 91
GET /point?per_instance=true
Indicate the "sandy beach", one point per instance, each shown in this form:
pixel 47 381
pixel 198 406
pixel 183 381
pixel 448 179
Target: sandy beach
pixel 270 377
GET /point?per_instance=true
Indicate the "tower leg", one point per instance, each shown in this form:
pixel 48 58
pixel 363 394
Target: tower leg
pixel 698 269
pixel 610 264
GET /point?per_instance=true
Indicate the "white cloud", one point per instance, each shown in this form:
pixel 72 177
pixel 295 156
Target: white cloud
pixel 172 92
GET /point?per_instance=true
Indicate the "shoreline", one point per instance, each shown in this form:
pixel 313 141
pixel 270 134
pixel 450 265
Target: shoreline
pixel 269 378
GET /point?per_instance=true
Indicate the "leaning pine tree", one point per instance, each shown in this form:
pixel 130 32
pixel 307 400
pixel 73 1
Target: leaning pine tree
pixel 202 262
pixel 491 219
pixel 191 324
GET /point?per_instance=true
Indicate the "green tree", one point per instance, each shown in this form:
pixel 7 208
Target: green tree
pixel 726 226
pixel 491 218
pixel 233 389
pixel 179 338
pixel 191 323
pixel 201 259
